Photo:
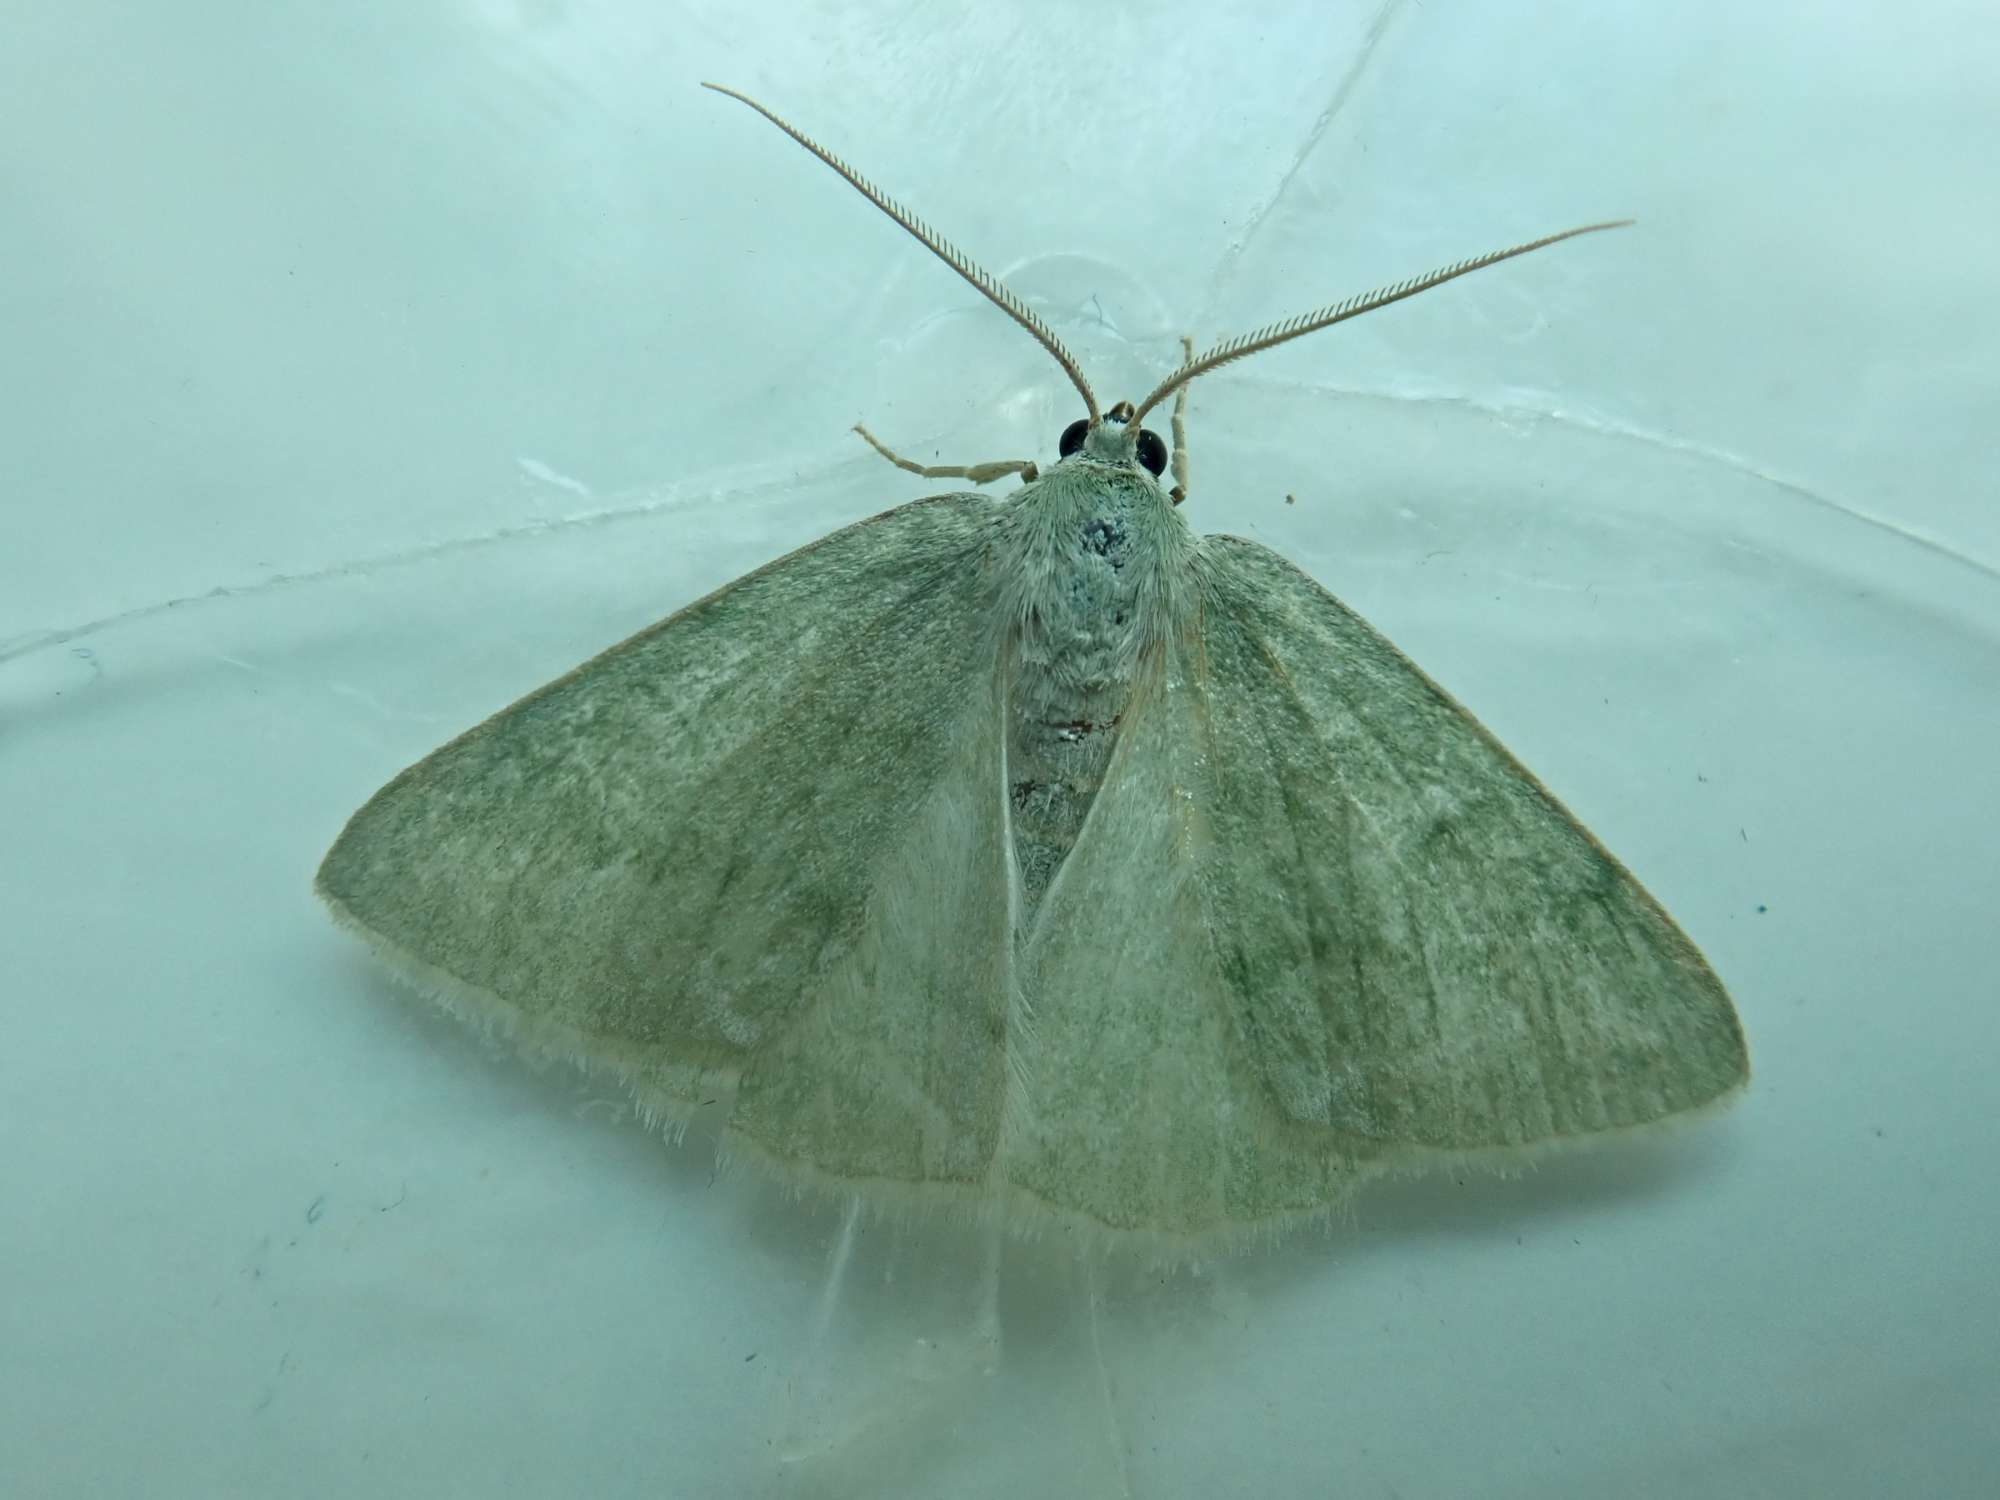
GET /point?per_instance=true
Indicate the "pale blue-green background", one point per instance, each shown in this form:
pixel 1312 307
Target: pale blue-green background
pixel 365 365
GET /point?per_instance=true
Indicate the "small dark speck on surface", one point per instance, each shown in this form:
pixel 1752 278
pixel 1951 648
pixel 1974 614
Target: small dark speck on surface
pixel 1762 908
pixel 1103 537
pixel 315 1209
pixel 750 1356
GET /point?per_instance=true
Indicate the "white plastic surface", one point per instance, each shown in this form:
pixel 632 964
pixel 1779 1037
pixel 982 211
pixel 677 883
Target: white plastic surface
pixel 366 365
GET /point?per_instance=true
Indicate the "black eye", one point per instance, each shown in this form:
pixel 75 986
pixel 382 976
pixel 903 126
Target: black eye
pixel 1152 452
pixel 1072 438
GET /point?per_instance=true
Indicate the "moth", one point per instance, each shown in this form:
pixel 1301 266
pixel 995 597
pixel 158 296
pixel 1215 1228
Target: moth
pixel 1040 857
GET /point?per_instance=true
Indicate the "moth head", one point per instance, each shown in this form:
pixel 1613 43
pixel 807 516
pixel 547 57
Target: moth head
pixel 1114 438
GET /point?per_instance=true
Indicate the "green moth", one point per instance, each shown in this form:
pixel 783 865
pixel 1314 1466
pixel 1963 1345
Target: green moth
pixel 1042 857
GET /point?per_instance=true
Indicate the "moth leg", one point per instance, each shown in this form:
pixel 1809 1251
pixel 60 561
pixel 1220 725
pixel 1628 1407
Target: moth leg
pixel 977 473
pixel 1179 491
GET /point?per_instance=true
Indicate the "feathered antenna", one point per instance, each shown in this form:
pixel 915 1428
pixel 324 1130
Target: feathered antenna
pixel 1340 312
pixel 986 284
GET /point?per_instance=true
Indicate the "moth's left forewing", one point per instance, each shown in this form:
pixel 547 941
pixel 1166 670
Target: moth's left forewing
pixel 756 850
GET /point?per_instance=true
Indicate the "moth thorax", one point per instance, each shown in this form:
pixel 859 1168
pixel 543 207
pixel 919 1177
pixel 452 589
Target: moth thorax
pixel 1073 669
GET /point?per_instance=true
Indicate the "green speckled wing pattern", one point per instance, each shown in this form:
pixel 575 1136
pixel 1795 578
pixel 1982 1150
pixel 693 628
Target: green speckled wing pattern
pixel 710 844
pixel 1419 946
pixel 1321 924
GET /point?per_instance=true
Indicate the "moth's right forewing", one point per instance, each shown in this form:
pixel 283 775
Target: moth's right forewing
pixel 662 862
pixel 1421 947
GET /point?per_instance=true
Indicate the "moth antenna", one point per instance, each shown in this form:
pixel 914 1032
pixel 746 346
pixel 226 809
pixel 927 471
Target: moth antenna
pixel 1353 307
pixel 986 284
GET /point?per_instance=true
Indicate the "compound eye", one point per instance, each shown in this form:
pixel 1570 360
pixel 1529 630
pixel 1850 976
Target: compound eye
pixel 1072 438
pixel 1152 452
